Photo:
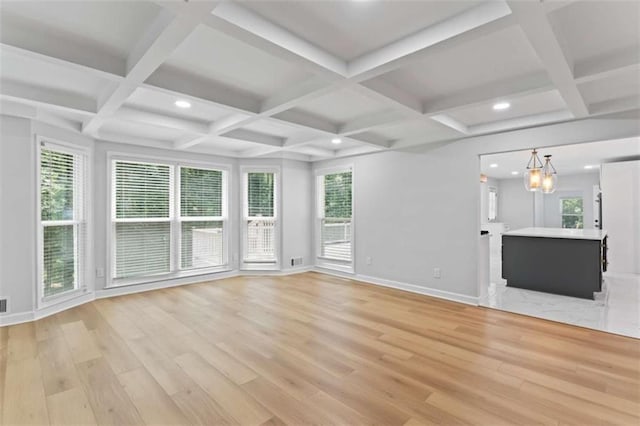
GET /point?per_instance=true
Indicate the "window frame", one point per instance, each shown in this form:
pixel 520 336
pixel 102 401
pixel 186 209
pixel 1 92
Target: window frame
pixel 492 190
pixel 244 218
pixel 175 237
pixel 562 214
pixel 82 196
pixel 322 261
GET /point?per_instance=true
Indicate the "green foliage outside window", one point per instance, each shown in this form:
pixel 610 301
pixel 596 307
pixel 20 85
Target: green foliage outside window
pixel 260 194
pixel 200 192
pixel 572 213
pixel 57 176
pixel 337 195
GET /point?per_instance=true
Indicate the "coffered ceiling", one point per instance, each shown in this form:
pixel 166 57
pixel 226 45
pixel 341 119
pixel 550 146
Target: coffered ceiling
pixel 293 78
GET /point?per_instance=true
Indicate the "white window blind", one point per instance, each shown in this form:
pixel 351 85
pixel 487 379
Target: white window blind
pixel 260 217
pixel 62 218
pixel 335 216
pixel 141 219
pixel 202 218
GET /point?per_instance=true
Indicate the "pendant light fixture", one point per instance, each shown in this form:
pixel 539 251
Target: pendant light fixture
pixel 533 175
pixel 549 176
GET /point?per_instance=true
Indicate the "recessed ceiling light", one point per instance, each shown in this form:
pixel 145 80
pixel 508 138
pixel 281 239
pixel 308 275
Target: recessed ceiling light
pixel 493 166
pixel 514 172
pixel 336 141
pixel 501 105
pixel 183 104
pixel 588 166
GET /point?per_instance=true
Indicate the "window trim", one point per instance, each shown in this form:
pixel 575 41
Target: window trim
pixel 175 273
pixel 83 266
pixel 321 261
pixel 277 209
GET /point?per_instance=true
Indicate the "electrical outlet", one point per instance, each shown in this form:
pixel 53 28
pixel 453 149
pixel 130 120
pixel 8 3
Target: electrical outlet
pixel 368 260
pixel 100 272
pixel 436 273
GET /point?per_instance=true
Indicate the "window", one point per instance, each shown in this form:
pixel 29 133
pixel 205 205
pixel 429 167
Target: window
pixel 201 218
pixel 159 229
pixel 259 231
pixel 493 204
pixel 142 219
pixel 335 217
pixel 572 212
pixel 62 233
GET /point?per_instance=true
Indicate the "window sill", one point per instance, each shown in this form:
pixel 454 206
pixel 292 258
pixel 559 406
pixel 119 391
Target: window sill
pixel 335 265
pixel 260 266
pixel 167 277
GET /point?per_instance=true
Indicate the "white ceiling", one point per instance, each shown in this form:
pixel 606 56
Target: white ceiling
pixel 567 159
pixel 283 78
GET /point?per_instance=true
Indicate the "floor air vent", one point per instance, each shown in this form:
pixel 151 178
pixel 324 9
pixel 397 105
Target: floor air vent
pixel 3 306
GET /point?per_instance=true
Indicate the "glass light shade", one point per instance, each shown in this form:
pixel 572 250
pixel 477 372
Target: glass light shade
pixel 533 179
pixel 549 183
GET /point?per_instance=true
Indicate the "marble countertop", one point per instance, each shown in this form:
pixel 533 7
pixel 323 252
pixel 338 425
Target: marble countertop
pixel 580 234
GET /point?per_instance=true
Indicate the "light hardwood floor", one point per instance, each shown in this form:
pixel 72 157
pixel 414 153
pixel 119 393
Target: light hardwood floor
pixel 305 349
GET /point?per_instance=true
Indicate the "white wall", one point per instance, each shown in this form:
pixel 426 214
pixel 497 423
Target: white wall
pixel 515 204
pixel 18 214
pixel 296 213
pixel 621 214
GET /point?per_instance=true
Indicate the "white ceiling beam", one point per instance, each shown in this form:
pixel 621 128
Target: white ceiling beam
pixel 303 140
pixel 259 151
pixel 17 109
pixel 190 141
pixel 296 94
pixel 500 90
pixel 520 122
pixel 305 121
pixel 250 136
pixel 136 115
pixel 615 105
pixel 609 65
pixel 452 27
pixel 166 33
pixel 51 98
pixel 313 151
pixel 109 136
pixel 533 20
pixel 371 121
pixel 391 95
pixel 247 19
pixel 451 123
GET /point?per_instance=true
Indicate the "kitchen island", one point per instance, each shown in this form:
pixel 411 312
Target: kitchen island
pixel 553 260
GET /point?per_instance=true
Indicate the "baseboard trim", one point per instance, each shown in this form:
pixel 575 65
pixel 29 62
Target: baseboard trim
pixel 412 288
pixel 282 273
pixel 17 318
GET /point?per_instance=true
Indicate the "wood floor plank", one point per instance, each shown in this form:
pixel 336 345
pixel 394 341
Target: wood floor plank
pixel 241 406
pixel 24 399
pixel 70 407
pixel 153 404
pixel 57 366
pixel 310 349
pixel 200 409
pixel 22 343
pixel 81 345
pixel 111 404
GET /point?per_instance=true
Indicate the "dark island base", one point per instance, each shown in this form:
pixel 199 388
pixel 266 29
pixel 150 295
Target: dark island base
pixel 569 267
